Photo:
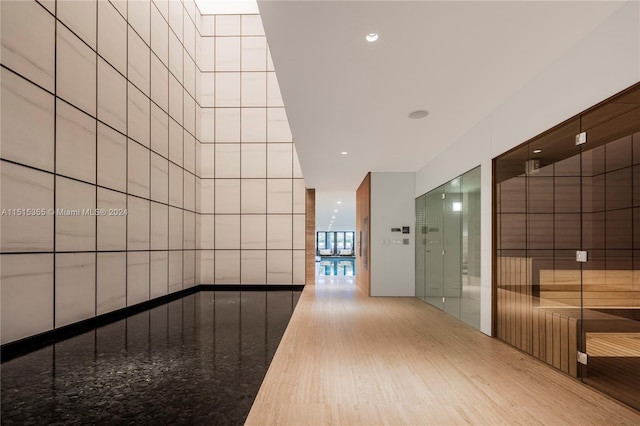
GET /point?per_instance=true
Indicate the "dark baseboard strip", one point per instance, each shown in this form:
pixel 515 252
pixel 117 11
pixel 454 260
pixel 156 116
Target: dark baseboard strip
pixel 250 287
pixel 21 347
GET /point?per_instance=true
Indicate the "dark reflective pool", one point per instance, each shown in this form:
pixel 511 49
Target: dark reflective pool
pixel 198 360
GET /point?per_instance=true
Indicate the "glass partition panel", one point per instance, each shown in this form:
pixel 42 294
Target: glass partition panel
pixel 421 246
pixel 452 245
pixel 434 266
pixel 448 247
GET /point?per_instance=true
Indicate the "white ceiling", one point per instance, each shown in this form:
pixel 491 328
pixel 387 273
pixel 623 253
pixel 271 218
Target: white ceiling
pixel 458 60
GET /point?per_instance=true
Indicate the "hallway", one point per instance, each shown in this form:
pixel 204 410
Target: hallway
pixel 349 359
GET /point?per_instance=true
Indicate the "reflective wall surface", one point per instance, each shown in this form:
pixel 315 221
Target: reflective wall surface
pixel 555 197
pixel 448 247
pixel 197 360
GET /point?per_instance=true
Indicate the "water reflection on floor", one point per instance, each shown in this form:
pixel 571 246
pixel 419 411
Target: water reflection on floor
pixel 336 266
pixel 197 360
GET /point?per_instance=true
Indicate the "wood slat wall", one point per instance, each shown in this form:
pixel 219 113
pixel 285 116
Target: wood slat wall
pixel 551 337
pixel 310 238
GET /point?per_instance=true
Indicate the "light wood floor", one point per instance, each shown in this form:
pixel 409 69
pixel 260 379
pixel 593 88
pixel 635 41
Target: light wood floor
pixel 348 359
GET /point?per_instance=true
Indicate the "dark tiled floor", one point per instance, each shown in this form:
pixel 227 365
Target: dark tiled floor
pixel 197 361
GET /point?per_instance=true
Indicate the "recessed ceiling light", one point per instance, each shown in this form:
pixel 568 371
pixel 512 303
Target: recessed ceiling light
pixel 537 151
pixel 371 37
pixel 333 217
pixel 335 211
pixel 344 153
pixel 418 114
pixel 339 202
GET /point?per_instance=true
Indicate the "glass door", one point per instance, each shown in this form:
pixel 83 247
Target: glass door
pixel 610 326
pixel 452 246
pixel 434 249
pixel 421 247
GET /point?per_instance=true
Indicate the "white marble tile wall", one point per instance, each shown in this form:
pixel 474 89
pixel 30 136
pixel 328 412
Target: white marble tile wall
pixel 251 177
pixel 122 110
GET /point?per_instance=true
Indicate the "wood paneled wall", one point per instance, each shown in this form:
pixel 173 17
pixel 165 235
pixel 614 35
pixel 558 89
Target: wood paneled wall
pixel 547 334
pixel 310 238
pixel 363 235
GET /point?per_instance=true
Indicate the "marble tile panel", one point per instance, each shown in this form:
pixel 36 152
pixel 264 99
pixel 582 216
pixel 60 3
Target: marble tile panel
pixel 253 160
pixel 138 113
pixel 112 158
pixel 279 232
pixel 279 196
pixel 137 277
pixel 139 58
pixel 75 221
pixel 227 91
pixel 140 19
pixel 227 124
pixel 207 156
pixel 80 17
pixel 189 268
pixel 227 194
pixel 138 217
pixel 23 188
pixel 176 20
pixel 75 71
pixel 253 232
pixel 207 260
pixel 252 25
pixel 227 232
pixel 138 169
pixel 279 267
pixel 28 41
pixel 176 61
pixel 189 113
pixel 159 226
pixel 278 126
pixel 112 36
pixel 227 161
pixel 159 131
pixel 254 125
pixel 206 89
pixel 75 143
pixel 159 83
pixel 75 282
pixel 299 196
pixel 175 228
pixel 111 283
pixel 175 271
pixel 254 55
pixel 207 231
pixel 227 267
pixel 112 227
pixel 23 103
pixel 227 53
pixel 159 178
pixel 253 196
pixel 176 105
pixel 254 267
pixel 189 192
pixel 27 295
pixel 298 267
pixel 207 195
pixel 280 160
pixel 274 98
pixel 176 185
pixel 159 35
pixel 112 97
pixel 207 124
pixel 227 25
pixel 206 56
pixel 254 91
pixel 159 282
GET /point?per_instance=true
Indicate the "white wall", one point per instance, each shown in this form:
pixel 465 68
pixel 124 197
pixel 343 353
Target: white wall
pixel 602 64
pixel 392 206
